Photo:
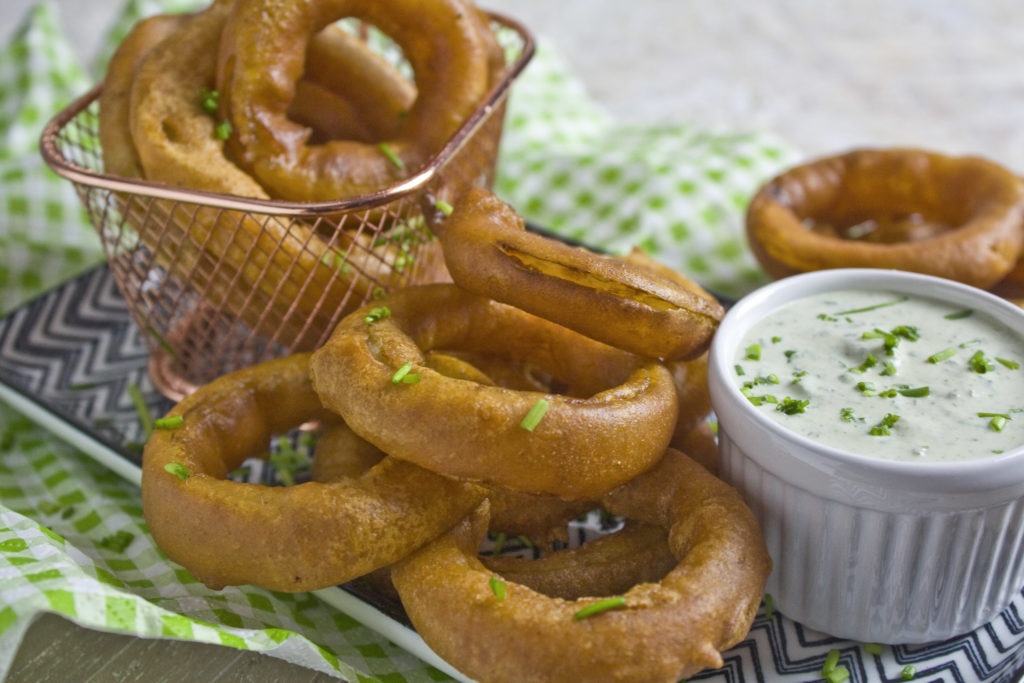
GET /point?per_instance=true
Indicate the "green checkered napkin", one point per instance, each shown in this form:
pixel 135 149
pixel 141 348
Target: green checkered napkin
pixel 72 537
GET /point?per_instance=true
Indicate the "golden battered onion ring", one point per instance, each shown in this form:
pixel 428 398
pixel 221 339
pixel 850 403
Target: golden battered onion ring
pixel 971 211
pixel 665 631
pixel 259 66
pixel 578 450
pixel 119 155
pixel 607 565
pixel 489 252
pixel 293 538
pixel 341 453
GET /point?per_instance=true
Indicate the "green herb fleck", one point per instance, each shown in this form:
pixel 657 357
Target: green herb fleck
pixel 753 352
pixel 831 660
pixel 869 362
pixel 846 415
pixel 209 100
pixel 497 587
pixel 392 157
pixel 169 422
pixel 908 672
pixel 959 315
pixel 789 354
pixel 739 370
pixel 377 314
pixel 865 388
pixel 827 317
pixel 444 207
pixel 942 355
pixel 914 392
pixel 600 606
pixel 792 406
pixel 873 648
pixel 222 130
pixel 776 340
pixel 837 675
pixel 883 428
pixel 141 408
pixel 980 364
pixel 534 415
pixel 997 421
pixel 1006 362
pixel 400 373
pixel 178 470
pixel 875 307
pixel 888 368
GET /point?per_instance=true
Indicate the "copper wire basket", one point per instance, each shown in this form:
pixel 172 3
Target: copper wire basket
pixel 271 277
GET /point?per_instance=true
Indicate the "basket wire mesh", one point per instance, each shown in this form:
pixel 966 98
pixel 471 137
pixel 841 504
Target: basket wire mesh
pixel 219 282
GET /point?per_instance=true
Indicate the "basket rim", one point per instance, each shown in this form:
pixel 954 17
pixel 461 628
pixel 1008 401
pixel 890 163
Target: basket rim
pixel 494 99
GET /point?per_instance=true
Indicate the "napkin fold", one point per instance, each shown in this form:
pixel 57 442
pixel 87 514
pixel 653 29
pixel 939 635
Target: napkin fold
pixel 73 539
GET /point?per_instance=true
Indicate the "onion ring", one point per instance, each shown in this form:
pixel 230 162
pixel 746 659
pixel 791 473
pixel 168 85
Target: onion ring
pixel 466 430
pixel 119 155
pixel 489 252
pixel 293 538
pixel 665 631
pixel 259 65
pixel 606 565
pixel 971 209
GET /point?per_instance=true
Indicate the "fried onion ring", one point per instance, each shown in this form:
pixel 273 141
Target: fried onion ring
pixel 665 631
pixel 466 430
pixel 295 538
pixel 961 218
pixel 606 565
pixel 489 252
pixel 259 66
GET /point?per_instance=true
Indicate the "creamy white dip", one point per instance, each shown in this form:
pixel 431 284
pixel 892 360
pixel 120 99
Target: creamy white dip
pixel 882 374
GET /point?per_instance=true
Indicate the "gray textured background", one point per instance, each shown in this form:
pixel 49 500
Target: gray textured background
pixel 823 74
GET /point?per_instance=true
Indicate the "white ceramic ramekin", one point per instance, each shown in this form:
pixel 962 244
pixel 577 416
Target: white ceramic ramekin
pixel 864 548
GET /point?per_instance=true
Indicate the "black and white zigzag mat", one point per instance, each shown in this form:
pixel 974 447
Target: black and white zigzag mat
pixel 75 353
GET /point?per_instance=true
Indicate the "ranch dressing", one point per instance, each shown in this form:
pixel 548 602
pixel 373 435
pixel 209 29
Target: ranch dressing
pixel 888 375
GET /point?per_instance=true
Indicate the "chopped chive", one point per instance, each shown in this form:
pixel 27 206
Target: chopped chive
pixel 915 392
pixel 827 317
pixel 792 406
pixel 377 314
pixel 869 362
pixel 846 415
pixel 888 368
pixel 739 370
pixel 497 587
pixel 209 100
pixel 969 342
pixel 776 340
pixel 996 424
pixel 873 648
pixel 534 415
pixel 1006 362
pixel 600 606
pixel 170 422
pixel 908 672
pixel 411 378
pixel 769 606
pixel 831 661
pixel 400 373
pixel 223 130
pixel 942 355
pixel 140 407
pixel 837 675
pixel 392 157
pixel 908 332
pixel 753 352
pixel 875 307
pixel 980 363
pixel 959 315
pixel 772 378
pixel 866 388
pixel 883 427
pixel 444 206
pixel 117 541
pixel 789 354
pixel 499 543
pixel 178 470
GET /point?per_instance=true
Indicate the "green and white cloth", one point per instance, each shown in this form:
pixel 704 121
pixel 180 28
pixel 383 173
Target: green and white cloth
pixel 72 536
